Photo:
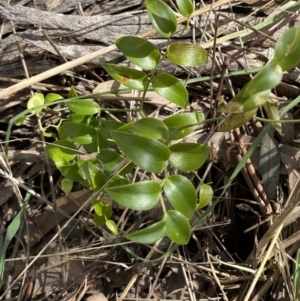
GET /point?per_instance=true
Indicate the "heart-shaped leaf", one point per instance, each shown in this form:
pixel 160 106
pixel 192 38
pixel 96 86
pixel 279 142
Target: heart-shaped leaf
pixel 178 125
pixel 148 154
pixel 181 194
pixel 78 132
pixel 188 156
pixel 141 196
pixel 139 51
pixel 185 7
pixel 83 106
pixel 151 128
pixel 169 87
pixel 149 235
pixel 35 101
pixel 177 227
pixel 206 194
pixel 162 17
pixel 131 78
pixel 187 54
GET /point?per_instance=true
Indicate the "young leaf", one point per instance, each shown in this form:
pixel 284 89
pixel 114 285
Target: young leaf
pixel 35 101
pixel 187 54
pixel 206 195
pixel 181 194
pixel 66 186
pixel 151 128
pixel 83 106
pixel 148 154
pixel 61 151
pixel 177 227
pixel 72 93
pixel 139 51
pixel 131 78
pixel 185 7
pixel 178 124
pixel 188 156
pixel 162 17
pixel 51 97
pixel 78 132
pixel 93 174
pixel 111 225
pixel 141 196
pixel 72 172
pixel 169 87
pixel 149 235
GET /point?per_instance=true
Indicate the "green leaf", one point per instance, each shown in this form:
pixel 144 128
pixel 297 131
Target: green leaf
pixel 139 51
pixel 103 212
pixel 185 7
pixel 149 235
pixel 177 227
pixel 188 156
pixel 141 196
pixel 206 195
pixel 151 128
pixel 111 225
pixel 110 159
pixel 178 124
pixel 93 174
pixel 79 118
pixel 181 194
pixel 187 54
pixel 66 186
pixel 72 172
pixel 131 78
pixel 72 93
pixel 169 87
pixel 61 151
pixel 148 154
pixel 83 106
pixel 162 17
pixel 20 121
pixel 236 120
pixel 287 49
pixel 51 97
pixel 272 110
pixel 78 132
pixel 35 101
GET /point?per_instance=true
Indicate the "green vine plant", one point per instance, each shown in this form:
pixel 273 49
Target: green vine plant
pixel 116 148
pixel 155 146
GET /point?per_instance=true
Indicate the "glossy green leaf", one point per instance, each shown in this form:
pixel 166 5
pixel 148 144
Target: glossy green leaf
pixel 78 132
pixel 178 125
pixel 169 87
pixel 51 97
pixel 150 128
pixel 149 235
pixel 139 51
pixel 129 77
pixel 185 7
pixel 107 125
pixel 61 151
pixel 287 49
pixel 83 106
pixel 162 17
pixel 187 54
pixel 177 227
pixel 206 194
pixel 93 174
pixel 188 156
pixel 111 225
pixel 236 120
pixel 148 154
pixel 66 186
pixel 110 159
pixel 118 181
pixel 72 172
pixel 79 118
pixel 140 196
pixel 35 101
pixel 181 194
